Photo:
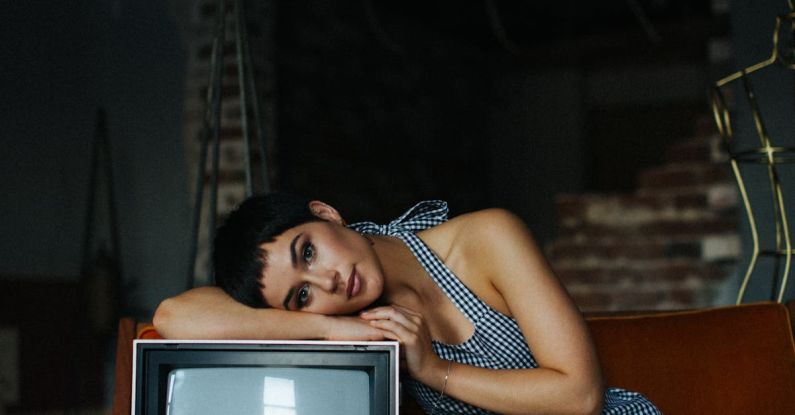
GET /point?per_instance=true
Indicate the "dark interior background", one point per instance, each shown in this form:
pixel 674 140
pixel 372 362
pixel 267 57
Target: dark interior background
pixel 379 105
pixel 483 106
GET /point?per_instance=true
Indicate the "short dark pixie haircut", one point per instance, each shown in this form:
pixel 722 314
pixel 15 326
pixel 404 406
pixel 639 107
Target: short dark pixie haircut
pixel 238 260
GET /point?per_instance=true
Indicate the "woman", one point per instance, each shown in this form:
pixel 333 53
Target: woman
pixel 467 298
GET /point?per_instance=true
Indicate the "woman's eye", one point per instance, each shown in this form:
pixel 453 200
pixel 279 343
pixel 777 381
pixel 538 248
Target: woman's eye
pixel 308 252
pixel 303 296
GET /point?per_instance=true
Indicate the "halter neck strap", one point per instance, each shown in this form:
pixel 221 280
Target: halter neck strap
pixel 423 215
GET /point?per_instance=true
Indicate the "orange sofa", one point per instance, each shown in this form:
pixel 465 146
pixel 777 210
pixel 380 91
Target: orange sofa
pixel 725 360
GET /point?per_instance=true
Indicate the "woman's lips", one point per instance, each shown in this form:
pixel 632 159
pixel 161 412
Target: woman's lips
pixel 354 283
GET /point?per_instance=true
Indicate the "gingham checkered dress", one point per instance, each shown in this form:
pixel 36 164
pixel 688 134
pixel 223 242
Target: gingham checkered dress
pixel 497 342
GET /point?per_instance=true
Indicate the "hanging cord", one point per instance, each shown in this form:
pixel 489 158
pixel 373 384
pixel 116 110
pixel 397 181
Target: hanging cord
pixel 645 23
pixel 377 28
pixel 88 234
pixel 101 150
pixel 248 92
pixel 211 124
pixel 101 272
pixel 499 29
pixel 240 34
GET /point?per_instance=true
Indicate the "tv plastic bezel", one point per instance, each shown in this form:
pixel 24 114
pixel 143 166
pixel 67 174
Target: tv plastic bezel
pixel 151 355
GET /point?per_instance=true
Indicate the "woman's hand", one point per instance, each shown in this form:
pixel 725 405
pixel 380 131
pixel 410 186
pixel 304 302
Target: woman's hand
pixel 352 328
pixel 408 327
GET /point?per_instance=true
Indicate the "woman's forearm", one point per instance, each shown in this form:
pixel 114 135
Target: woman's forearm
pixel 518 391
pixel 209 313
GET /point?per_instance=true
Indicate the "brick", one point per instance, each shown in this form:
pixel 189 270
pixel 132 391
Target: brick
pixel 685 175
pixel 571 277
pixel 682 250
pixel 721 247
pixel 682 270
pixel 592 301
pixel 631 210
pixel 199 34
pixel 697 149
pixel 723 196
pixel 704 148
pixel 637 300
pixel 667 228
pixel 670 245
pixel 705 126
pixel 227 91
pixel 640 272
pixel 205 51
pixel 570 204
pixel 229 196
pixel 561 250
pixel 689 200
pixel 702 226
pixel 231 133
pixel 230 69
pixel 208 10
pixel 632 248
pixel 226 176
pixel 686 296
pixel 610 299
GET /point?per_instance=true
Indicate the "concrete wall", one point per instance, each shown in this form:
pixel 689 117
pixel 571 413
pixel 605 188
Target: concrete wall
pixel 60 63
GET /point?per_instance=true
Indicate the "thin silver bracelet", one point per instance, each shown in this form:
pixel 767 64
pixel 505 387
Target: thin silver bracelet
pixel 444 386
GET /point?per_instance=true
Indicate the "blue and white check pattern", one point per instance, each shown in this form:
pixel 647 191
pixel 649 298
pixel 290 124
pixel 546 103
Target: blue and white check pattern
pixel 497 342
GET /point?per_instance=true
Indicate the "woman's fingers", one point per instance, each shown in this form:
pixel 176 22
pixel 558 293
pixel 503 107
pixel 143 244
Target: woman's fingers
pixel 403 334
pixel 407 310
pixel 378 312
pixel 391 325
pixel 399 314
pixel 390 308
pixel 408 327
pixel 405 325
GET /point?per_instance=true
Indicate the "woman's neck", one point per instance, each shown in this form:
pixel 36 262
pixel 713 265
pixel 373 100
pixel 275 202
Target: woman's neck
pixel 407 284
pixel 404 277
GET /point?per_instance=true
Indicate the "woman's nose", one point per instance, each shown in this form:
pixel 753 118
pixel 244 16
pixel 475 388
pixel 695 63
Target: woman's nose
pixel 327 281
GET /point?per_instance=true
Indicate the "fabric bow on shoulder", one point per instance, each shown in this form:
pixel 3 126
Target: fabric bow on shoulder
pixel 423 215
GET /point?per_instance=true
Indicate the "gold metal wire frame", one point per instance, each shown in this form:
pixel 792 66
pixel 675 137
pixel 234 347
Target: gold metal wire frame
pixel 768 154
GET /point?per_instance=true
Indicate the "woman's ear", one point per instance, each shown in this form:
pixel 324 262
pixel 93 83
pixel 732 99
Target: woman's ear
pixel 326 212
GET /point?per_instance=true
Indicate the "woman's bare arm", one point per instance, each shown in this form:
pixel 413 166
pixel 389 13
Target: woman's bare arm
pixel 209 313
pixel 498 247
pixel 569 375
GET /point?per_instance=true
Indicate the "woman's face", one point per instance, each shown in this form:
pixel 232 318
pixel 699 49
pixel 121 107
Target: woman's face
pixel 321 267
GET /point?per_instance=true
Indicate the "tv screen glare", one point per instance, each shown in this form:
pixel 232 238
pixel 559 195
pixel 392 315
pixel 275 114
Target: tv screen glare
pixel 173 377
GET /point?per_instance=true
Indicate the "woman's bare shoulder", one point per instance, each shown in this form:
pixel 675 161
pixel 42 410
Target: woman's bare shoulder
pixel 466 233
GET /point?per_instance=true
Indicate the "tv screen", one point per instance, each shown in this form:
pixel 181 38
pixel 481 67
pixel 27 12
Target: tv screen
pixel 264 378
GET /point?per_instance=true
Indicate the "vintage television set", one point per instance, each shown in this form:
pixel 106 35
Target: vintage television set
pixel 176 377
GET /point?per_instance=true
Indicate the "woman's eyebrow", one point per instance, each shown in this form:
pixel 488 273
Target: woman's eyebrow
pixel 287 298
pixel 293 257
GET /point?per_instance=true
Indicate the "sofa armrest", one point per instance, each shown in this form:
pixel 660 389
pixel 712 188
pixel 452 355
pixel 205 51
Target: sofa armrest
pixel 122 387
pixel 736 359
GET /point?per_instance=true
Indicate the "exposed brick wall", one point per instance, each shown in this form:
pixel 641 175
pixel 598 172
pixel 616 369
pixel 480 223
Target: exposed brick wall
pixel 671 244
pixel 356 117
pixel 366 117
pixel 198 19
